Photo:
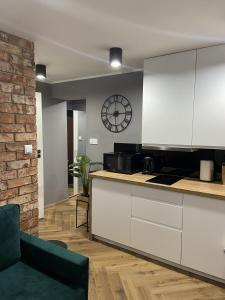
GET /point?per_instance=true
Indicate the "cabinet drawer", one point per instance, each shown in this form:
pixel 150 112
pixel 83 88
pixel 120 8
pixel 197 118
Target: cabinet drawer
pixel 157 212
pixel 157 194
pixel 157 240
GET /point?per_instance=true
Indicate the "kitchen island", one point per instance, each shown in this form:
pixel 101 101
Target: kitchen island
pixel 181 224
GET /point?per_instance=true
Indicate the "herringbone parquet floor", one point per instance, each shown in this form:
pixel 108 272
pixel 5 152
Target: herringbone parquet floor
pixel 117 275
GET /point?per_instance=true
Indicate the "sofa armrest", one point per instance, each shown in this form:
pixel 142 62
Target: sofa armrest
pixel 57 262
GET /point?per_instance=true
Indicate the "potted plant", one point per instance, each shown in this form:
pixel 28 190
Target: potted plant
pixel 81 169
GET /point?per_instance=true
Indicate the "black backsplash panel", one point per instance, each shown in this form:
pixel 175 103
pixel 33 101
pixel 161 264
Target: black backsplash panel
pixel 186 163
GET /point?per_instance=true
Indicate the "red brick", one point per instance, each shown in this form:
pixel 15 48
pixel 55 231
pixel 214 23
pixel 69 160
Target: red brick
pixel 8 194
pixel 30 91
pixel 28 54
pixel 29 206
pixel 3 186
pixel 15 59
pixel 30 128
pixel 19 146
pixel 19 164
pixel 28 71
pixel 2 166
pixel 26 189
pixel 5 97
pixel 7 156
pixel 12 128
pixel 12 108
pixel 18 89
pixel 7 118
pixel 30 110
pixel 33 162
pixel 4 56
pixel 18 79
pixel 18 99
pixel 27 172
pixel 6 87
pixel 24 119
pixel 20 199
pixel 20 42
pixel 19 182
pixel 22 155
pixel 28 62
pixel 18 69
pixel 19 137
pixel 10 48
pixel 4 36
pixel 5 77
pixel 2 147
pixel 30 82
pixel 6 137
pixel 6 66
pixel 6 175
pixel 34 179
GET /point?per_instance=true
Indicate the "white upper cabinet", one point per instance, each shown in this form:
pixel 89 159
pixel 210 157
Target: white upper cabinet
pixel 209 108
pixel 168 99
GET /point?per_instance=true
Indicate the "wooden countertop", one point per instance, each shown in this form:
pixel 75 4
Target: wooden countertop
pixel 190 186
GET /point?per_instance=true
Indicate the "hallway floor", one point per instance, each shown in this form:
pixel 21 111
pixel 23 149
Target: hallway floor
pixel 118 275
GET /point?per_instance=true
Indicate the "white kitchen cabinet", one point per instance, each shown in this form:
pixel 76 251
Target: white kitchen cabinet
pixel 111 210
pixel 209 108
pixel 203 237
pixel 156 239
pixel 168 98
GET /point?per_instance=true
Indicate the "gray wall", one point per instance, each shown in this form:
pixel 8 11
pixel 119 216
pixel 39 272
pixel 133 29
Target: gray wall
pixel 54 145
pixel 95 91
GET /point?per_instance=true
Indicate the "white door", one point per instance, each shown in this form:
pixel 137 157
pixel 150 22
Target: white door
pixel 40 159
pixel 168 99
pixel 209 120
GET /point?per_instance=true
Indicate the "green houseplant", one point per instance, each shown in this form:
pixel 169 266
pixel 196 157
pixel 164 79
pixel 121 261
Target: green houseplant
pixel 81 169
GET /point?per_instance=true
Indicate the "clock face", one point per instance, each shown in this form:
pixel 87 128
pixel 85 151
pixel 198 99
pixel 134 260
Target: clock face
pixel 116 113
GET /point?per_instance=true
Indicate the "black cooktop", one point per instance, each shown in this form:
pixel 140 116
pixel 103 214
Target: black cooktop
pixel 165 179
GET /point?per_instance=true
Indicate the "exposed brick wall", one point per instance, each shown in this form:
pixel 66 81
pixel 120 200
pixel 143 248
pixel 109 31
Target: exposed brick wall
pixel 18 172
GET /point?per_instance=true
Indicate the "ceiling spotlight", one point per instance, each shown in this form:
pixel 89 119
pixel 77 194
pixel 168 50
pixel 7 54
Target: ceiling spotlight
pixel 40 72
pixel 115 57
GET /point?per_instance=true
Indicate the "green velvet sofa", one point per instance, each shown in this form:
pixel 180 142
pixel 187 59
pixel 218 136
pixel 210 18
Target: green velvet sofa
pixel 31 268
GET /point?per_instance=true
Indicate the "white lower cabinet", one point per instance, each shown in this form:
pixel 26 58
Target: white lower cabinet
pixel 156 239
pixel 180 228
pixel 203 238
pixel 111 210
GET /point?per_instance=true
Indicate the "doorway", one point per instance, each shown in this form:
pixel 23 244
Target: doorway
pixel 76 138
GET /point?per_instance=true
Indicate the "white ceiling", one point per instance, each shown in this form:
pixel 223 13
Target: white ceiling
pixel 72 37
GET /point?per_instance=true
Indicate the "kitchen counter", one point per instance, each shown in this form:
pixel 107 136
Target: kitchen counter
pixel 190 186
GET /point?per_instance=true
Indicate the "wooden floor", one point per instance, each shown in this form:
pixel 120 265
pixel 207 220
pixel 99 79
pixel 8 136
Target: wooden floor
pixel 115 274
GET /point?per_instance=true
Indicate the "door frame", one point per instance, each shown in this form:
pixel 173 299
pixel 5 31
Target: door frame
pixel 75 148
pixel 40 165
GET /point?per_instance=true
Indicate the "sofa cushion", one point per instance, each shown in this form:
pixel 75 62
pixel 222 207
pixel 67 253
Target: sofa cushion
pixel 9 235
pixel 20 281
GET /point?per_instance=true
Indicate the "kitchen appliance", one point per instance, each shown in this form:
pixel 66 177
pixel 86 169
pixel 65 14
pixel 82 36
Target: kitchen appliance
pixel 165 179
pixel 126 158
pixel 206 170
pixel 149 165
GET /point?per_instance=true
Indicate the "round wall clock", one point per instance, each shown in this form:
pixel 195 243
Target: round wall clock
pixel 116 113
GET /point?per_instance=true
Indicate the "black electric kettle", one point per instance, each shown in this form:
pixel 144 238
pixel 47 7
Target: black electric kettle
pixel 149 165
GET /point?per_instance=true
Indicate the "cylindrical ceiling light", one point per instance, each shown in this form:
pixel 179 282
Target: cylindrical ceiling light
pixel 40 71
pixel 115 57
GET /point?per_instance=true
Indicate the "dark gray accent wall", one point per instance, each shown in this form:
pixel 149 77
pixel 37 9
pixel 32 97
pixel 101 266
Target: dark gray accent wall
pixel 54 145
pixel 95 91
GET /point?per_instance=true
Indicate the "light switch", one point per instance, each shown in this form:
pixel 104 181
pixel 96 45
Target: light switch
pixel 28 149
pixel 79 138
pixel 93 141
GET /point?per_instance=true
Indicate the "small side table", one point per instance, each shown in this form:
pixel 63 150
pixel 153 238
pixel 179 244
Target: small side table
pixel 85 200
